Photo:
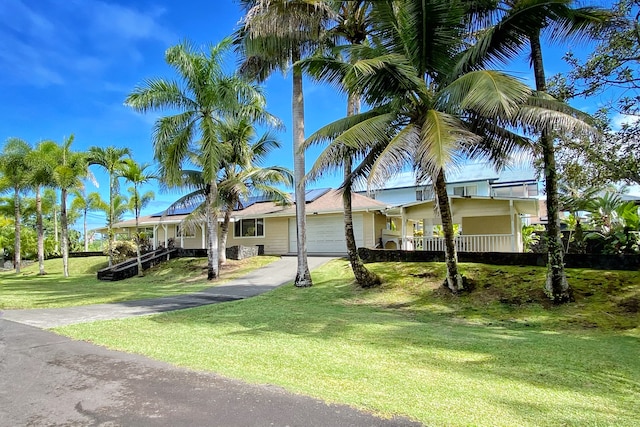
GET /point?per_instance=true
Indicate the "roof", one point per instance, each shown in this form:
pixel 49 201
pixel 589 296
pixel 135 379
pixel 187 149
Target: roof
pixel 323 200
pixel 469 172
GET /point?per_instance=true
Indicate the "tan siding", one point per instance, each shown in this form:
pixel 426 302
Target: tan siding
pixel 381 224
pixel 498 224
pixel 276 240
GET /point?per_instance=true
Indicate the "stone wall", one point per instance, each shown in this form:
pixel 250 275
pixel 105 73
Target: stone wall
pixel 596 262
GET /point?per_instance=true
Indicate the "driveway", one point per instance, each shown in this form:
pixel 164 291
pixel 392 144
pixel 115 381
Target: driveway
pixel 50 380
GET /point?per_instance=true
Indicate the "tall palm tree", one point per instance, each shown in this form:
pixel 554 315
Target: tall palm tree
pixel 110 159
pixel 520 25
pixel 68 173
pixel 137 175
pixel 203 97
pixel 352 24
pixel 86 203
pixel 424 115
pixel 14 170
pixel 41 163
pixel 275 35
pixel 51 210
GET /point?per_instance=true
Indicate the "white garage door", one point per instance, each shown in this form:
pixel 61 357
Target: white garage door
pixel 325 234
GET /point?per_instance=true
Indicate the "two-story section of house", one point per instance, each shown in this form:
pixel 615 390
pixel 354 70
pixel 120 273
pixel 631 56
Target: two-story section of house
pixel 488 208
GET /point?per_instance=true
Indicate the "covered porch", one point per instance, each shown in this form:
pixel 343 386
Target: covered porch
pixel 481 224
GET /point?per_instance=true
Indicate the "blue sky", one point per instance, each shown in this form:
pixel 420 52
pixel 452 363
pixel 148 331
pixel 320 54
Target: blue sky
pixel 66 67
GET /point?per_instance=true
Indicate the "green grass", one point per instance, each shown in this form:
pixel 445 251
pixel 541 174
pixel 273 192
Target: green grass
pixel 498 356
pixel 178 276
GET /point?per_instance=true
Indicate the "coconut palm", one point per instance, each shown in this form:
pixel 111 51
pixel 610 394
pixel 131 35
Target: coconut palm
pixel 68 173
pixel 137 175
pixel 110 159
pixel 276 34
pixel 520 25
pixel 14 175
pixel 352 26
pixel 41 163
pixel 424 115
pixel 86 203
pixel 203 97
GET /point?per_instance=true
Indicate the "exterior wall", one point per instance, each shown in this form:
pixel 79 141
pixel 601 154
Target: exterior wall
pixel 499 224
pixel 275 240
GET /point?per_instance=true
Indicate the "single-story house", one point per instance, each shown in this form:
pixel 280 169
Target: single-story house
pixel 262 222
pixel 488 224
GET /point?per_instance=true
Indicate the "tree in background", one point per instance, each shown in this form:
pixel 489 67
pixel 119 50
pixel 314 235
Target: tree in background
pixel 111 159
pixel 41 162
pixel 68 173
pixel 85 203
pixel 202 97
pixel 275 35
pixel 137 174
pixel 14 175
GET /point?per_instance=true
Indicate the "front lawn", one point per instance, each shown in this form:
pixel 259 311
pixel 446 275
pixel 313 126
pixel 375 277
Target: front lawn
pixel 178 276
pixel 499 356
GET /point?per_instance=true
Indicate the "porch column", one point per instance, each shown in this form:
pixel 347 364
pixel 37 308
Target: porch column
pixel 202 227
pixel 155 237
pixel 166 238
pixel 403 230
pixel 513 227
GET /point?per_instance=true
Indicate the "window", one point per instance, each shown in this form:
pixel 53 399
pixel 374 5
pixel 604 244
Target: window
pixel 146 233
pixel 188 232
pixel 424 194
pixel 419 195
pixel 249 228
pixel 469 190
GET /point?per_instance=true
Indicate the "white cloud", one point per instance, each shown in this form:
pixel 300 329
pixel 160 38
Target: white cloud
pixel 51 42
pixel 621 119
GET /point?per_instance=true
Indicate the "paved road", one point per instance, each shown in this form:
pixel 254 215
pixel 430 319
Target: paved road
pixel 49 380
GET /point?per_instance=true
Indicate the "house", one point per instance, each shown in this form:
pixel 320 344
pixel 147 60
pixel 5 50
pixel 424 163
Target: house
pixel 472 179
pixel 488 209
pixel 262 222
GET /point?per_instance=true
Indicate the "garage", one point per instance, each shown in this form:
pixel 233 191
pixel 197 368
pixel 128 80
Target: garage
pixel 325 234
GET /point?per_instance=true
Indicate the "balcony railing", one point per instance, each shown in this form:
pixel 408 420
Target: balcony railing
pixel 465 243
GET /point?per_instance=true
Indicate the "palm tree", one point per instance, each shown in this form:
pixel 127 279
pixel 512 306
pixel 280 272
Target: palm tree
pixel 276 34
pixel 111 159
pixel 137 175
pixel 353 25
pixel 50 210
pixel 424 115
pixel 86 203
pixel 15 176
pixel 204 96
pixel 520 25
pixel 41 163
pixel 242 176
pixel 68 173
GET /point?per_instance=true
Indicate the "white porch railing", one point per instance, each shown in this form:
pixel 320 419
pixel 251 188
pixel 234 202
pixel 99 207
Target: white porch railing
pixel 465 243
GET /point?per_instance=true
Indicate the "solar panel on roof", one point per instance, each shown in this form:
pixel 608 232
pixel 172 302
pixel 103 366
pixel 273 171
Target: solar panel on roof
pixel 244 204
pixel 312 195
pixel 183 210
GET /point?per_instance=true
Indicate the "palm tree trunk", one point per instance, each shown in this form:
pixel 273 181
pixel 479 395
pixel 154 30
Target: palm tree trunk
pixel 364 277
pixel 110 221
pixel 56 233
pixel 303 276
pixel 224 232
pixel 84 231
pixel 212 226
pixel 16 245
pixel 454 279
pixel 556 286
pixel 64 236
pixel 40 230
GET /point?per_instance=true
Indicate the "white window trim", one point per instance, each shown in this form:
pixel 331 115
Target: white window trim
pixel 186 236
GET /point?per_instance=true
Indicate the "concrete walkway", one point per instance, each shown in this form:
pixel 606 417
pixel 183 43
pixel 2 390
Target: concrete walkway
pixel 257 282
